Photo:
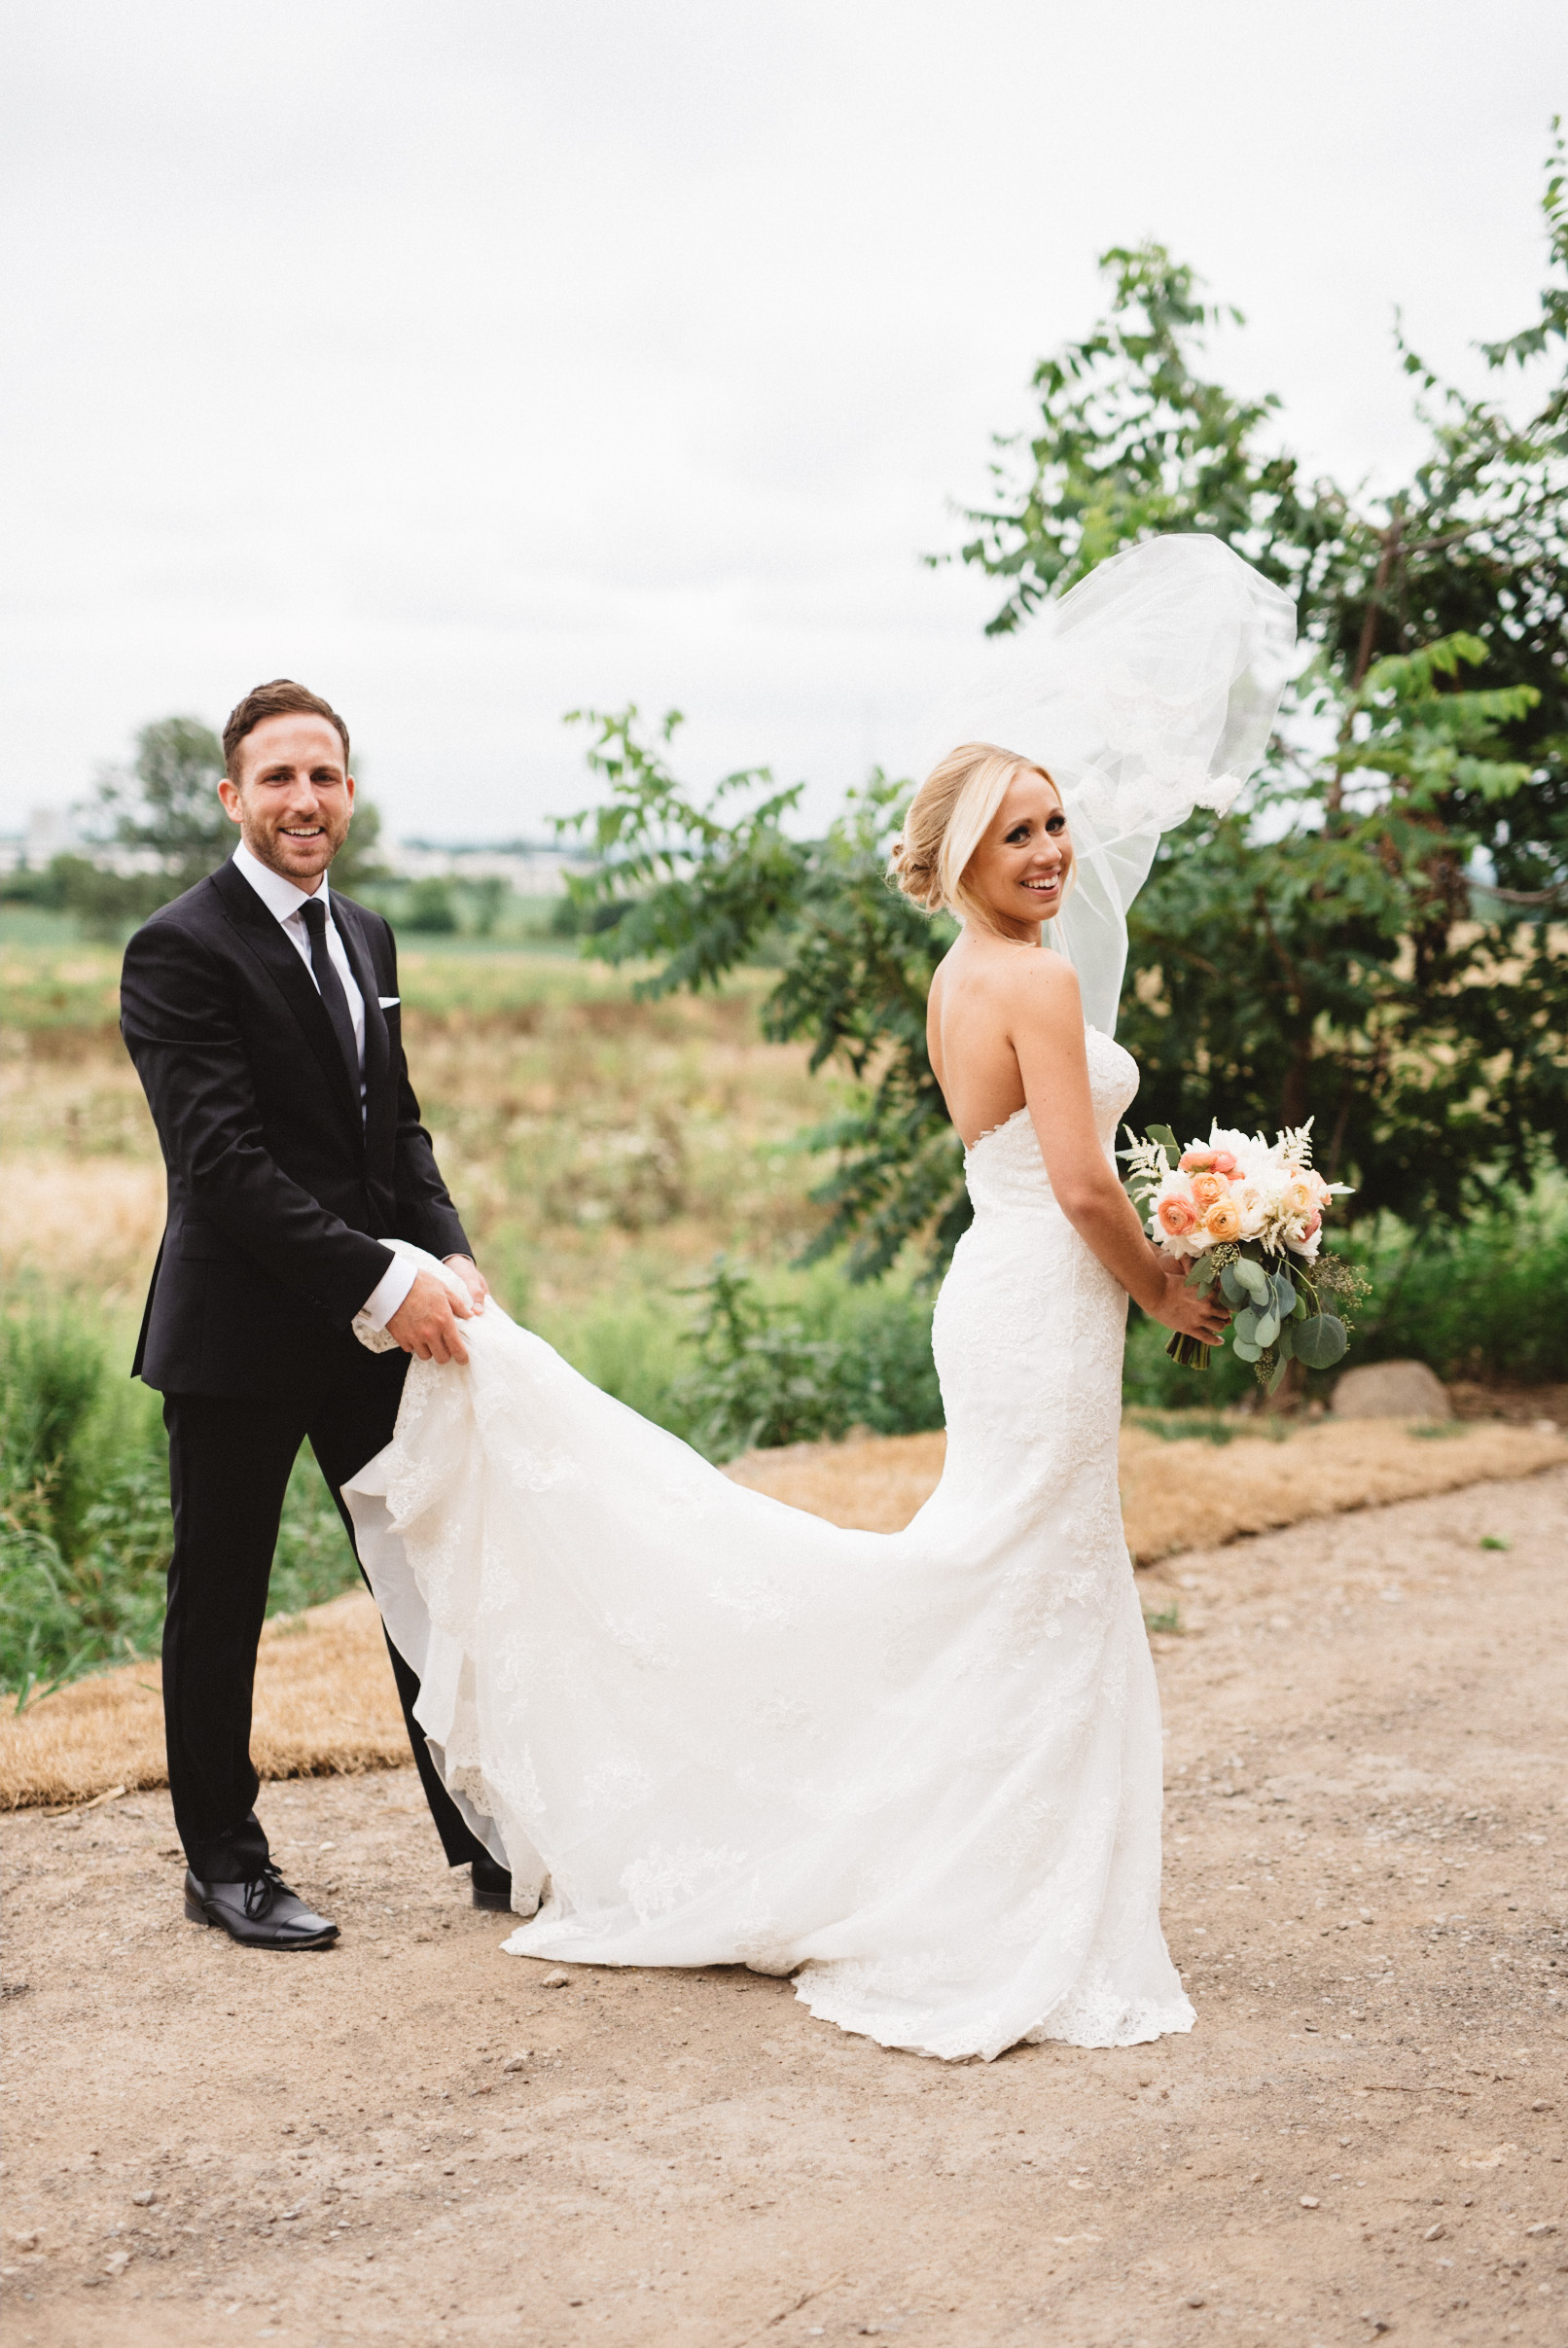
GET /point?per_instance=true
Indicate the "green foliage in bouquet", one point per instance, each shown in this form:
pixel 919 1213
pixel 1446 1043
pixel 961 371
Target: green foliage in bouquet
pixel 1286 1309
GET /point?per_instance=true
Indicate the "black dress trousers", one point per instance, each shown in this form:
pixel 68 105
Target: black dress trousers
pixel 229 1462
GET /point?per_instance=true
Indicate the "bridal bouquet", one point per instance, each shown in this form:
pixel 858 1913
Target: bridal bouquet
pixel 1250 1215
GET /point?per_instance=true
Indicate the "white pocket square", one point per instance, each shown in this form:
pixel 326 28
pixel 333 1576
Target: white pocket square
pixel 389 1002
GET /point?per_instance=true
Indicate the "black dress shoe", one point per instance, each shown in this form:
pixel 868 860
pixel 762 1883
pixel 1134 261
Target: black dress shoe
pixel 492 1885
pixel 263 1913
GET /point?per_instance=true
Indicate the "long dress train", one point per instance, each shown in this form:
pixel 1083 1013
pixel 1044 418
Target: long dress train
pixel 921 1771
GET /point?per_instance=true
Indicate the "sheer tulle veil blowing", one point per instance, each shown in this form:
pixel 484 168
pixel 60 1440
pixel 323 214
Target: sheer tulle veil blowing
pixel 1148 689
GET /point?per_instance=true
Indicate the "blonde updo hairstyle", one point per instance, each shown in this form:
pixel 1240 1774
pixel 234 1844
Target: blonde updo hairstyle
pixel 947 819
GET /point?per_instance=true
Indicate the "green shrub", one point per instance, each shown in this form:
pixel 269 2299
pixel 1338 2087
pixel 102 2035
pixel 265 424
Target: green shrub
pixel 758 1379
pixel 631 1344
pixel 85 1534
pixel 803 1359
pixel 1483 1299
pixel 51 1376
pixel 430 909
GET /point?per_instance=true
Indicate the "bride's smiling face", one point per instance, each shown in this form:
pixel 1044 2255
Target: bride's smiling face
pixel 1019 871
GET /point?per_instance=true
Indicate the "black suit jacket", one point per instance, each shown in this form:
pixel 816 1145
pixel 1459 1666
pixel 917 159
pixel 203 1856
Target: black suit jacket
pixel 278 1196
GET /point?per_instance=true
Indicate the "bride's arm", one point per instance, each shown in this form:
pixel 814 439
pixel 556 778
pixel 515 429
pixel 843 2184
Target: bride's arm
pixel 1047 1032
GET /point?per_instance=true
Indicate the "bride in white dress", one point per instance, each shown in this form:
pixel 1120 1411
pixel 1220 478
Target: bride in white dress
pixel 919 1771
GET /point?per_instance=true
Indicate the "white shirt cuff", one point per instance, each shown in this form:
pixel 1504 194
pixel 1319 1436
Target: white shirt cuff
pixel 389 1291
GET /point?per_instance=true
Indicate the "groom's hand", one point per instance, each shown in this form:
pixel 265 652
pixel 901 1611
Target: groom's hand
pixel 425 1323
pixel 473 1279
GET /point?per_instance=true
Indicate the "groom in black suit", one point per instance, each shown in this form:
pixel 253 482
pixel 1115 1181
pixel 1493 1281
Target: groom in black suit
pixel 261 1009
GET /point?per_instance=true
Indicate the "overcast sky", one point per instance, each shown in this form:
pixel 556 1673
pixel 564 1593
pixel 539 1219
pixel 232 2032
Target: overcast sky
pixel 477 361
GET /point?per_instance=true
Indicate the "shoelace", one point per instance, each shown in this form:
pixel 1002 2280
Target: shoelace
pixel 260 1892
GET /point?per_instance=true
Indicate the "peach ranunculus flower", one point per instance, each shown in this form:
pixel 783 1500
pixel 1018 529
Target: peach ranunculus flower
pixel 1223 1219
pixel 1177 1216
pixel 1208 1187
pixel 1224 1161
pixel 1196 1161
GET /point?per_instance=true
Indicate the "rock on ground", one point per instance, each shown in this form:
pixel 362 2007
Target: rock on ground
pixel 1391 1390
pixel 416 2140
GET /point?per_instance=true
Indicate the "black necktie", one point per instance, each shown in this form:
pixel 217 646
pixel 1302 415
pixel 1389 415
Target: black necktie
pixel 314 916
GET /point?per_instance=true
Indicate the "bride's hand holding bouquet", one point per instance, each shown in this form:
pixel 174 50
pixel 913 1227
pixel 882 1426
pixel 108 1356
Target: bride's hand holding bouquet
pixel 1198 1316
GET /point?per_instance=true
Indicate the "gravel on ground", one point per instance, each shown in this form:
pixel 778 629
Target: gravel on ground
pixel 415 2139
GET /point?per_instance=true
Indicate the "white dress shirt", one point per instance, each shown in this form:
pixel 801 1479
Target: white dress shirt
pixel 283 901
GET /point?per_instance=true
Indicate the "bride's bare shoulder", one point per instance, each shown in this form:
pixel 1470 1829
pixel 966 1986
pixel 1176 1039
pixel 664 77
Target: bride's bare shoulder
pixel 1014 979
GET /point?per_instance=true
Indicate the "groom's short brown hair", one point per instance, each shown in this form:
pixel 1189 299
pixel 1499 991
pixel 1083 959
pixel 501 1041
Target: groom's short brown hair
pixel 283 699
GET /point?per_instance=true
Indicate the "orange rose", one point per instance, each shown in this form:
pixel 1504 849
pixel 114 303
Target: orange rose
pixel 1223 1220
pixel 1208 1188
pixel 1177 1216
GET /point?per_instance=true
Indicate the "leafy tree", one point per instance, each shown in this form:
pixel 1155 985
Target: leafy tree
pixel 166 807
pixel 1369 943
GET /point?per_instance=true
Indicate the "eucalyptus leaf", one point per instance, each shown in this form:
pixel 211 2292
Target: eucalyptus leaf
pixel 1243 1350
pixel 1301 1308
pixel 1267 1328
pixel 1279 1373
pixel 1246 1324
pixel 1321 1340
pixel 1284 1295
pixel 1231 1285
pixel 1203 1273
pixel 1254 1279
pixel 1285 1342
pixel 1167 1141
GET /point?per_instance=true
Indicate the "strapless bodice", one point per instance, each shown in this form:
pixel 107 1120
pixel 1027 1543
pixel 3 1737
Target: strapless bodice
pixel 1005 1170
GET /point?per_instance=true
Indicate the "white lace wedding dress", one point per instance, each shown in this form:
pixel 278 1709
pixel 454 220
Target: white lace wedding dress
pixel 919 1771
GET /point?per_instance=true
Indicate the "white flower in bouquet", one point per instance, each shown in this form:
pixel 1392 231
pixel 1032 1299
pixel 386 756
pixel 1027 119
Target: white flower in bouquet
pixel 1252 1205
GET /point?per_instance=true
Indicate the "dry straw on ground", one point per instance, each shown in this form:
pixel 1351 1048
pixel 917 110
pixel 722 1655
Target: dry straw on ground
pixel 324 1695
pixel 1182 1495
pixel 325 1702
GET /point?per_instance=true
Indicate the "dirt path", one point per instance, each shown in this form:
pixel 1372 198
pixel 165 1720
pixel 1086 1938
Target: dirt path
pixel 1367 1889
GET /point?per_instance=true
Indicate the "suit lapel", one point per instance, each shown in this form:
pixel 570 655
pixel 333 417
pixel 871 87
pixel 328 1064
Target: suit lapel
pixel 264 938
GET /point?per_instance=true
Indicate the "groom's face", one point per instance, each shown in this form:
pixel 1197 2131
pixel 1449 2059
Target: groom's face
pixel 293 797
